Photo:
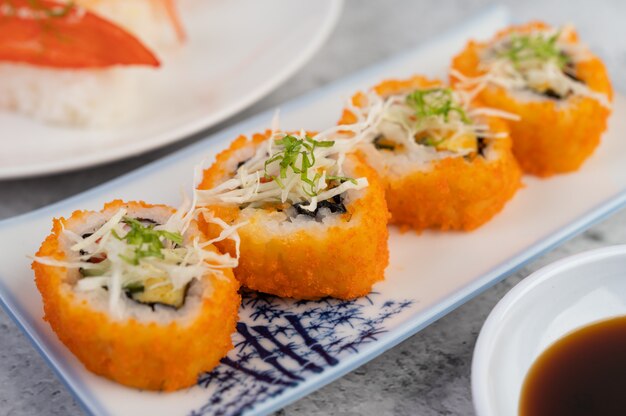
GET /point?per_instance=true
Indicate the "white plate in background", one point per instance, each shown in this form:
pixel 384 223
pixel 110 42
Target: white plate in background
pixel 237 52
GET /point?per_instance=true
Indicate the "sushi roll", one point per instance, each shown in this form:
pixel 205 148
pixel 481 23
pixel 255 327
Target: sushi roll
pixel 311 216
pixel 138 294
pixel 82 63
pixel 561 91
pixel 444 165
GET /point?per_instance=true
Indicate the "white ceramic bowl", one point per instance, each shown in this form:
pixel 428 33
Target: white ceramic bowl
pixel 548 304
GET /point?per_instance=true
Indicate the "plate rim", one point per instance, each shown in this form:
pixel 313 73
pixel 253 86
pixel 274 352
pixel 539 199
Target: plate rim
pixel 188 129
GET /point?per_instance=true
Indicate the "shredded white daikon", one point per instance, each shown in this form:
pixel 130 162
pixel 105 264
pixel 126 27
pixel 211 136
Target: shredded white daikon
pixel 531 70
pixel 177 265
pixel 291 167
pixel 395 119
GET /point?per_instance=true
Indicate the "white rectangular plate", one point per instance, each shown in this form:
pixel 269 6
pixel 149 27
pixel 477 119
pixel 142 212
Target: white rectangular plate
pixel 286 349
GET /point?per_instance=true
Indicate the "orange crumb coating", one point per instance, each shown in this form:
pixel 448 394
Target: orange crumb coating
pixel 151 356
pixel 342 261
pixel 455 194
pixel 552 136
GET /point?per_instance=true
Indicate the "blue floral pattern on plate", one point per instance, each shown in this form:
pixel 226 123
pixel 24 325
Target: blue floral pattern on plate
pixel 280 342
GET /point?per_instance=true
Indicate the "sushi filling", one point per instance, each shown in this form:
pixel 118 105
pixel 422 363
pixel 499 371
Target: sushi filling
pixel 152 263
pixel 542 62
pixel 334 205
pixel 297 174
pixel 430 123
pixel 538 61
pixel 149 242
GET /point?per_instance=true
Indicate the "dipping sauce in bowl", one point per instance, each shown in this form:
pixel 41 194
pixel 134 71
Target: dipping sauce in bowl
pixel 581 374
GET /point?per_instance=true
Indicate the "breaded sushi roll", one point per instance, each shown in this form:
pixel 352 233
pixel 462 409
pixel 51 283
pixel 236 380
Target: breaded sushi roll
pixel 444 165
pixel 138 294
pixel 311 216
pixel 552 81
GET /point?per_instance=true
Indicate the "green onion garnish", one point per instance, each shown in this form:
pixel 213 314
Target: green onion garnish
pixel 435 102
pixel 147 241
pixel 534 47
pixel 287 158
pixel 342 179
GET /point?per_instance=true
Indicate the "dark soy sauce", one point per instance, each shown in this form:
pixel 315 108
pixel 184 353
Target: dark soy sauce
pixel 582 374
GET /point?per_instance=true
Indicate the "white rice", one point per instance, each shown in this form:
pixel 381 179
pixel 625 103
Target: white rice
pixel 88 98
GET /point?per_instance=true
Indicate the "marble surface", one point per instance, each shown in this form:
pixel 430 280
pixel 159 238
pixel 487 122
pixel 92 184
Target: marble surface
pixel 428 374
